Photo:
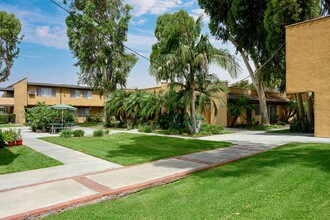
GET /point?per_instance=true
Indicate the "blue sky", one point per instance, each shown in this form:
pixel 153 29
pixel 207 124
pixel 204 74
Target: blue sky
pixel 45 56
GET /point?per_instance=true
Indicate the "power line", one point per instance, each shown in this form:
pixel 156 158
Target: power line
pixel 139 54
pixel 132 50
pixel 264 64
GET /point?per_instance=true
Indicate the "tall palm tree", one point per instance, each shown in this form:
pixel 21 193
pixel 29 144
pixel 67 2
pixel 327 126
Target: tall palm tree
pixel 186 62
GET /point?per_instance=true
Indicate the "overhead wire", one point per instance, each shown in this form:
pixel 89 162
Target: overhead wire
pixel 264 64
pixel 141 55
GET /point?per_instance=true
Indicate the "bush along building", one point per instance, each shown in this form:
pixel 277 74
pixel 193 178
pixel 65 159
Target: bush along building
pixel 277 104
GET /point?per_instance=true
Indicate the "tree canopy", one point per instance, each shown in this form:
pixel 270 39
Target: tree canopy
pixel 256 29
pixel 10 27
pixel 97 30
pixel 182 55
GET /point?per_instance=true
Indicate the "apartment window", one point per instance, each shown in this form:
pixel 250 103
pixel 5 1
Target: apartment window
pixel 87 94
pixel 74 93
pixel 83 112
pixel 46 92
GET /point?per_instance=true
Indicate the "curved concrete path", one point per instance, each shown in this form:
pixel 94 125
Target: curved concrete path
pixel 43 197
pixel 74 163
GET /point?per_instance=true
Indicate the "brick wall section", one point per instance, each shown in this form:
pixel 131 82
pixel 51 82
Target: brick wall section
pixel 308 66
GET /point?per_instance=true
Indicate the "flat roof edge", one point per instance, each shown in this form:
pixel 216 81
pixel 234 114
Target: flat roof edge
pixel 308 21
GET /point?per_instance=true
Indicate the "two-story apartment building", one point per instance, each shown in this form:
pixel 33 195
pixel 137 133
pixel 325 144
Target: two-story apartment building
pixel 24 94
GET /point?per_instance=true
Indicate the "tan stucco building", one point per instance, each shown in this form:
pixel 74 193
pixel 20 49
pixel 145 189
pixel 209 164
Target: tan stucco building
pixel 23 94
pixel 276 104
pixel 308 67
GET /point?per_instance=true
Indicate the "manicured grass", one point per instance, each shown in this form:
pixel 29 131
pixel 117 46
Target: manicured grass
pixel 266 127
pixel 21 158
pixel 128 149
pixel 287 130
pixel 10 125
pixel 290 182
pixel 96 125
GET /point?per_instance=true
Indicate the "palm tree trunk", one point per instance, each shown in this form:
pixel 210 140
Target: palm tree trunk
pixel 193 128
pixel 193 116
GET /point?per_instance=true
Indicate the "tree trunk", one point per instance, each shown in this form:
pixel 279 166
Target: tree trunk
pixel 193 128
pixel 301 112
pixel 233 122
pixel 256 81
pixel 310 111
pixel 263 105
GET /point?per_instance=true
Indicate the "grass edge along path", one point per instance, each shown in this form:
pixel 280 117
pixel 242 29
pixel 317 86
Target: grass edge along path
pixel 288 182
pixel 130 149
pixel 22 158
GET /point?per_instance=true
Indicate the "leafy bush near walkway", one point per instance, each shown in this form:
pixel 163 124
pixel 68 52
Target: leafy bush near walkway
pixel 41 116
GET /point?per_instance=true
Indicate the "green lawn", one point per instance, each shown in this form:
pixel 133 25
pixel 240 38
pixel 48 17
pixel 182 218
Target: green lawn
pixel 128 149
pixel 21 158
pixel 286 130
pixel 97 125
pixel 10 125
pixel 290 182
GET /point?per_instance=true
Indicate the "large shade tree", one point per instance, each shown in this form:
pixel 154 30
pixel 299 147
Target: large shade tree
pixel 97 30
pixel 182 56
pixel 250 27
pixel 10 28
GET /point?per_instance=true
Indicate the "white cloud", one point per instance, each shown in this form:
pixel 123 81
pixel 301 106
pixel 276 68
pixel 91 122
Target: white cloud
pixel 49 36
pixel 141 21
pixel 41 28
pixel 139 42
pixel 157 7
pixel 195 13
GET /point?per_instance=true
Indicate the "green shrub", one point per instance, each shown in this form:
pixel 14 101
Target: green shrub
pixel 301 126
pixel 78 133
pixel 168 120
pixel 208 129
pixel 66 133
pixel 12 118
pixel 145 128
pixel 4 118
pixel 98 133
pixel 2 139
pixel 41 116
pixel 280 123
pixel 106 131
pixel 94 117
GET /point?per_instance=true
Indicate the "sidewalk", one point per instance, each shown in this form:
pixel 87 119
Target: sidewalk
pixel 41 198
pixel 84 178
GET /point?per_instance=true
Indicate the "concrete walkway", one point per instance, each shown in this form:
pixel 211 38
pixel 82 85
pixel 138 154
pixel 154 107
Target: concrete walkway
pixel 75 163
pixel 75 186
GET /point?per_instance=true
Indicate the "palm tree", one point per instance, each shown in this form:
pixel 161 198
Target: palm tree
pixel 152 105
pixel 114 106
pixel 236 108
pixel 186 62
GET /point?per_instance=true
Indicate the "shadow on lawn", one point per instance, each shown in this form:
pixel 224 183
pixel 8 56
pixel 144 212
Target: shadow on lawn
pixel 293 154
pixel 7 156
pixel 142 148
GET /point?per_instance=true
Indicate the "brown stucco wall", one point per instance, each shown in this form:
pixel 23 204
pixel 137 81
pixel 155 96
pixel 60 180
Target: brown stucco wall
pixel 308 67
pixel 221 117
pixel 20 100
pixel 63 97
